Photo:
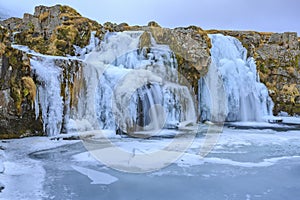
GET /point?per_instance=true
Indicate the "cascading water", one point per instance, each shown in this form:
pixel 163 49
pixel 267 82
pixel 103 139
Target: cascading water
pixel 118 87
pixel 134 89
pixel 48 94
pixel 245 97
pixel 124 87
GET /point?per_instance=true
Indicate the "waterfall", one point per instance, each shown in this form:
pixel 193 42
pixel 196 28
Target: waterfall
pixel 118 87
pixel 48 94
pixel 133 89
pixel 245 98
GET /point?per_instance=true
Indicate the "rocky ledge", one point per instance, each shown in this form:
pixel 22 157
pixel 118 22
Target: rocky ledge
pixel 61 30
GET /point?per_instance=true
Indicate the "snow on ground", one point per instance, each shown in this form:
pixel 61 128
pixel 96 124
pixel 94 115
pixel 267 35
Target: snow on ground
pixel 23 177
pixel 295 120
pixel 257 124
pixel 188 160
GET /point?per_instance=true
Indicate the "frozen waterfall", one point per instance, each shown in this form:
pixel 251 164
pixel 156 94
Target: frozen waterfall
pixel 245 98
pixel 48 94
pixel 119 87
pixel 132 89
pixel 126 88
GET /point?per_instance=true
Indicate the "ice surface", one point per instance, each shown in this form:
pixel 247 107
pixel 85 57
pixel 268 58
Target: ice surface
pixel 2 156
pixel 266 161
pixel 192 160
pixel 1 166
pixel 96 176
pixel 84 157
pixel 23 177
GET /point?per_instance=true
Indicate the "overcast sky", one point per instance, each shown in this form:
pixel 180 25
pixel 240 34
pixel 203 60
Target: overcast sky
pixel 260 15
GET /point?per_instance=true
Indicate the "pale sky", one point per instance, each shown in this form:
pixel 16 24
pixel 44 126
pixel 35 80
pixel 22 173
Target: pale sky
pixel 259 15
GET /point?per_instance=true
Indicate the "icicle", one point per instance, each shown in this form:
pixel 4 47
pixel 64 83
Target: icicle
pixel 48 95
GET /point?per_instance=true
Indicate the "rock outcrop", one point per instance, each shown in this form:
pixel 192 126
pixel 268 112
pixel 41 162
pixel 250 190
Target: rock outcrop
pixel 60 30
pixel 17 116
pixel 53 30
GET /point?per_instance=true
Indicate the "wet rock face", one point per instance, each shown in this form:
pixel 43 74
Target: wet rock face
pixel 17 93
pixel 277 59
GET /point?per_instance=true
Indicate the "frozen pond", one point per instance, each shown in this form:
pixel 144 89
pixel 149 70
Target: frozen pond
pixel 244 164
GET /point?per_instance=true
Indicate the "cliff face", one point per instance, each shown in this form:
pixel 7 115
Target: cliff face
pixel 17 92
pixel 60 30
pixel 277 59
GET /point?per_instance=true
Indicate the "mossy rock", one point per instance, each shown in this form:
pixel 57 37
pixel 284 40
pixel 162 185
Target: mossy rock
pixel 56 24
pixel 154 24
pixel 145 40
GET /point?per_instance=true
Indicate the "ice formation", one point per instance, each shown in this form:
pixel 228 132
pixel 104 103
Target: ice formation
pixel 129 89
pixel 48 96
pixel 125 88
pixel 245 98
pixel 134 89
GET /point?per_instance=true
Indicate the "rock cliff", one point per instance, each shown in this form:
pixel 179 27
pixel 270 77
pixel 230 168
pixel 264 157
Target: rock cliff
pixel 60 30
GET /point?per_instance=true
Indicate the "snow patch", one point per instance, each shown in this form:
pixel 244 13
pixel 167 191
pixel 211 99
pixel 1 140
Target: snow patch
pixel 192 160
pixel 96 176
pixel 84 157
